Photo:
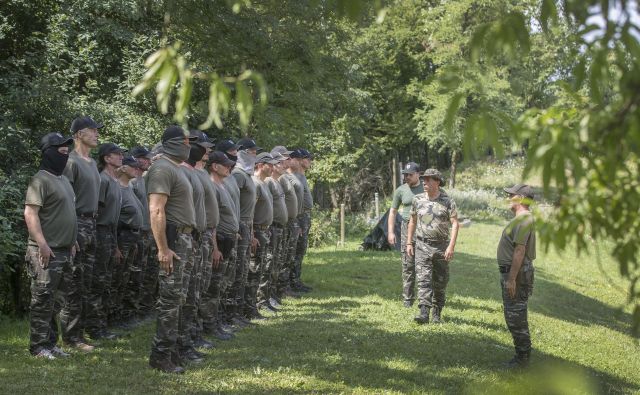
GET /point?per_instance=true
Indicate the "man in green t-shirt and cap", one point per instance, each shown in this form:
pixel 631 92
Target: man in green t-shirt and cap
pixel 516 253
pixel 401 203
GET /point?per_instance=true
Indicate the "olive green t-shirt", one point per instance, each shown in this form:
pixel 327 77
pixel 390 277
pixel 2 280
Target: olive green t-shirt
pixel 280 215
pixel 520 231
pixel 403 197
pixel 228 215
pixel 433 217
pixel 210 199
pixel 167 178
pixel 290 198
pixel 54 195
pixel 109 201
pixel 234 192
pixel 247 194
pixel 263 215
pixel 131 210
pixel 198 197
pixel 140 190
pixel 85 179
pixel 298 189
pixel 307 199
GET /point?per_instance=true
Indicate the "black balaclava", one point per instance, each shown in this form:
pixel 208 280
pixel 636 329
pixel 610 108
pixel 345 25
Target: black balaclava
pixel 53 161
pixel 232 157
pixel 176 149
pixel 196 154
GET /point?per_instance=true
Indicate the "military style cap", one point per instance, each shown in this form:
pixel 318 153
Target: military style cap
pixel 306 154
pixel 84 123
pixel 226 145
pixel 266 157
pixel 248 143
pixel 411 167
pixel 520 189
pixel 296 154
pixel 203 140
pixel 141 152
pixel 108 148
pixel 175 131
pixel 130 161
pixel 282 150
pixel 432 173
pixel 54 139
pixel 278 156
pixel 220 158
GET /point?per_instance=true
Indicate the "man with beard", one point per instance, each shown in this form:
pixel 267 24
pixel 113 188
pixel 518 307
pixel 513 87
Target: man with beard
pixel 50 217
pixel 172 223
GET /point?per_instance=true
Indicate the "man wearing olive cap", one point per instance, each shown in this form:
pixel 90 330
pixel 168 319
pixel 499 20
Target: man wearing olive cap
pixel 434 222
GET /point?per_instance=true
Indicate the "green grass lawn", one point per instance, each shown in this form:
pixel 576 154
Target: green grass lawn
pixel 351 334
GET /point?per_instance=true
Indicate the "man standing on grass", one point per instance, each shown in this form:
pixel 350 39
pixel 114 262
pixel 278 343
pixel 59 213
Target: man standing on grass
pixel 402 199
pixel 49 213
pixel 516 252
pixel 431 214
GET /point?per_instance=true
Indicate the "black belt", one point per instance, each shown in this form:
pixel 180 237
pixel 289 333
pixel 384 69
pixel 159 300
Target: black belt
pixel 504 269
pixel 260 227
pixel 425 240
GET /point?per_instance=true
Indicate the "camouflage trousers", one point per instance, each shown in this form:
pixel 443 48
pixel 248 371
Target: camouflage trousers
pixel 257 266
pixel 207 309
pixel 408 266
pixel 73 316
pixel 48 294
pixel 304 221
pixel 292 232
pixel 148 258
pixel 269 275
pixel 172 294
pixel 243 253
pixel 126 279
pixel 432 273
pixel 515 310
pixel 222 277
pixel 191 277
pixel 100 294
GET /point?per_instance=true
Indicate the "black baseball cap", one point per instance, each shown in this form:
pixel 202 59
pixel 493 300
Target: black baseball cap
pixel 520 189
pixel 247 143
pixel 175 131
pixel 130 161
pixel 296 154
pixel 306 154
pixel 84 123
pixel 226 145
pixel 141 152
pixel 203 140
pixel 265 157
pixel 108 148
pixel 411 167
pixel 54 139
pixel 220 158
pixel 282 150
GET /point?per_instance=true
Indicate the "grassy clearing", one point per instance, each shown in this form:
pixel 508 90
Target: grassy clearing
pixel 353 335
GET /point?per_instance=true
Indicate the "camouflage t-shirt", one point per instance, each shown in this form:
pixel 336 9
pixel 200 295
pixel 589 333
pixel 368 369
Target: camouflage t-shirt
pixel 520 231
pixel 433 217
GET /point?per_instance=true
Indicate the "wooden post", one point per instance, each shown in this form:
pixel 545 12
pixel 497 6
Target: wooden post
pixel 394 171
pixel 377 206
pixel 342 224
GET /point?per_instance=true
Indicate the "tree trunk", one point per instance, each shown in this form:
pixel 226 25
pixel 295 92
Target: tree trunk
pixel 452 169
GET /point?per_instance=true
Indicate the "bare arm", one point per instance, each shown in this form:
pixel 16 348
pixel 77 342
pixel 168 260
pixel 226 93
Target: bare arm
pixel 455 226
pixel 35 232
pixel 157 203
pixel 516 264
pixel 391 225
pixel 217 255
pixel 411 229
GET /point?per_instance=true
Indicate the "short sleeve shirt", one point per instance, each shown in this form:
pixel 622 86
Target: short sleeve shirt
pixel 290 199
pixel 210 199
pixel 167 178
pixel 198 197
pixel 131 209
pixel 280 215
pixel 228 215
pixel 247 194
pixel 85 179
pixel 264 204
pixel 109 201
pixel 433 217
pixel 56 199
pixel 403 198
pixel 298 189
pixel 519 231
pixel 140 190
pixel 234 192
pixel 307 198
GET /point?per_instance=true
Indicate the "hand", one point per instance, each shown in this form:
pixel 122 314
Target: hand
pixel 217 258
pixel 75 249
pixel 118 256
pixel 448 254
pixel 511 287
pixel 410 251
pixel 44 254
pixel 391 239
pixel 255 243
pixel 166 260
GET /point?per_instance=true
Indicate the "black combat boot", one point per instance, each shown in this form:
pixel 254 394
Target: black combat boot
pixel 435 318
pixel 519 361
pixel 423 317
pixel 165 365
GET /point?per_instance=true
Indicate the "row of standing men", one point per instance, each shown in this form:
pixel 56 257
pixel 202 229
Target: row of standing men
pixel 210 238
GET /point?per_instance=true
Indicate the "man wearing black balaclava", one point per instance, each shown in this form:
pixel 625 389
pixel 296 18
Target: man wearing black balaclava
pixel 172 223
pixel 50 217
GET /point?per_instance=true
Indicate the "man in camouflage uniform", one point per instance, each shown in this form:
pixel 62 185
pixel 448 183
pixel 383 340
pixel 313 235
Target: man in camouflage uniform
pixel 432 215
pixel 401 203
pixel 50 217
pixel 172 223
pixel 516 253
pixel 290 182
pixel 82 172
pixel 304 164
